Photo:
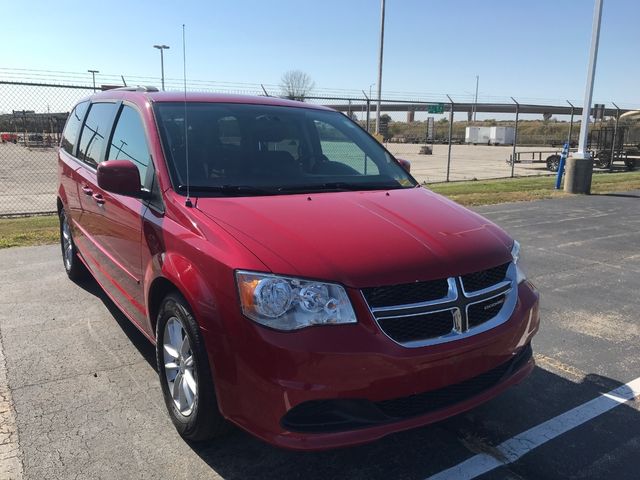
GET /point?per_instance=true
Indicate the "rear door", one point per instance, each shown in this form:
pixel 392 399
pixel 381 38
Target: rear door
pixel 122 235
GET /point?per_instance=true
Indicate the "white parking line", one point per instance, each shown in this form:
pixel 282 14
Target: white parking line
pixel 514 448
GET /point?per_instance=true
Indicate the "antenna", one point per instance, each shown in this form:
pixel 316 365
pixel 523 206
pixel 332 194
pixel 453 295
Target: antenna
pixel 123 80
pixel 265 91
pixel 186 128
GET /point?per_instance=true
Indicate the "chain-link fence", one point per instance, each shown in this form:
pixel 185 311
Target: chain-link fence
pixel 32 116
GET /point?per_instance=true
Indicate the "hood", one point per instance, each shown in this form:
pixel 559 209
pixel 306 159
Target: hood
pixel 362 239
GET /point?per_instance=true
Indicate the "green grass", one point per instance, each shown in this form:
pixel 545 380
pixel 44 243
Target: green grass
pixel 42 230
pixel 525 189
pixel 20 232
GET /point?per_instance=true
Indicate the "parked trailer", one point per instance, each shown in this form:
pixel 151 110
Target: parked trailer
pixel 600 146
pixel 502 135
pixel 490 135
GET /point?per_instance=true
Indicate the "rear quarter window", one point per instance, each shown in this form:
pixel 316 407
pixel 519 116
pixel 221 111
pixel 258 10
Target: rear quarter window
pixel 72 128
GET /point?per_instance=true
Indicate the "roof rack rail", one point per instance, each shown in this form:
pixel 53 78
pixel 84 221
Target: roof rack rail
pixel 138 88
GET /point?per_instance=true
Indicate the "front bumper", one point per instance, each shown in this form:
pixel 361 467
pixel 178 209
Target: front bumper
pixel 328 387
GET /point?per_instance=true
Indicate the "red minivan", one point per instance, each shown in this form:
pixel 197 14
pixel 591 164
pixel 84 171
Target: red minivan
pixel 294 277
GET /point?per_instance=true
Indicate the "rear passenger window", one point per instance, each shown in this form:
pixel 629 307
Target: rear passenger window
pixel 72 128
pixel 129 141
pixel 229 131
pixel 95 133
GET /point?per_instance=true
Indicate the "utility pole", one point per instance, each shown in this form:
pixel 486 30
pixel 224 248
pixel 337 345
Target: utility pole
pixel 93 74
pixel 380 67
pixel 162 48
pixel 580 165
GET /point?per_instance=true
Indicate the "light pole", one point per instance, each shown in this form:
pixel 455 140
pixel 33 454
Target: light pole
pixel 580 164
pixel 475 102
pixel 380 67
pixel 93 73
pixel 162 48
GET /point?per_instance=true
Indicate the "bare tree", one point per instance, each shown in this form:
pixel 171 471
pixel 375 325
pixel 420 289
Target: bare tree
pixel 296 85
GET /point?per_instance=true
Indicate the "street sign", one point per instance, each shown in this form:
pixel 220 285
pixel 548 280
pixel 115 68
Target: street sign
pixel 435 108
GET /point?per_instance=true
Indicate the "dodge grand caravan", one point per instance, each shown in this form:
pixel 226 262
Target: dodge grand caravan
pixel 294 277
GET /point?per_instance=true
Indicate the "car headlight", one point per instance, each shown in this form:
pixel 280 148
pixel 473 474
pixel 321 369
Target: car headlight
pixel 516 254
pixel 286 303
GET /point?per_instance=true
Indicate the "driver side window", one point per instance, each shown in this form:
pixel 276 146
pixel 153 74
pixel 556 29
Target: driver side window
pixel 129 142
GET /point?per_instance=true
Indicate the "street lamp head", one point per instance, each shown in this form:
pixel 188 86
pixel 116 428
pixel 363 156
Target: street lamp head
pixel 160 47
pixel 93 71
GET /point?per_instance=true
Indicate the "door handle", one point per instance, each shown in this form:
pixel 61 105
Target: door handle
pixel 98 198
pixel 87 190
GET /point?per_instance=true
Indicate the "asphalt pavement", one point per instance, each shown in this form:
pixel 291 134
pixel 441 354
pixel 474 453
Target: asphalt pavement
pixel 80 398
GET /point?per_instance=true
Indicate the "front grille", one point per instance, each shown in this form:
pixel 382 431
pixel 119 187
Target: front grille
pixel 418 327
pixel 335 415
pixel 481 312
pixel 473 282
pixel 438 311
pixel 405 294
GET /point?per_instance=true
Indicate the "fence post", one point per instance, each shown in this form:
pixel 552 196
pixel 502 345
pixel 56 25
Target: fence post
pixel 570 124
pixel 615 133
pixel 368 110
pixel 515 138
pixel 450 134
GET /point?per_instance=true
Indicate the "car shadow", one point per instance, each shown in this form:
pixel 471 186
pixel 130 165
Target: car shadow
pixel 419 453
pixel 142 344
pixel 422 452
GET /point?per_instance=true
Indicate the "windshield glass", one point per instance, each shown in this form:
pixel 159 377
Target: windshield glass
pixel 240 149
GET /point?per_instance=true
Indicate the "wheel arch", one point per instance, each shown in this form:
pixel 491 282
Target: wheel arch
pixel 159 288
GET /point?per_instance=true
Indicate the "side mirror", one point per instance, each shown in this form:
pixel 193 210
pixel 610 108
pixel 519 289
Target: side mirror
pixel 120 177
pixel 406 164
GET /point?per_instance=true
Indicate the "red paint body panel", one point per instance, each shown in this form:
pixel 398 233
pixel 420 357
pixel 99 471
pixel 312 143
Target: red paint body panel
pixel 357 239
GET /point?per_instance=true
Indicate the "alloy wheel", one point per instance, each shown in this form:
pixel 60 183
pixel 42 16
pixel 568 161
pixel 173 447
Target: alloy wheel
pixel 179 365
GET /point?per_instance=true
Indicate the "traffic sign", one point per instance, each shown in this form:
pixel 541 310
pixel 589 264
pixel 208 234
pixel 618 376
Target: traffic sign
pixel 435 108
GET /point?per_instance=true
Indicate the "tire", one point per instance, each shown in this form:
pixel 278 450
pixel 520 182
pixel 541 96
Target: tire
pixel 602 160
pixel 72 264
pixel 630 163
pixel 553 163
pixel 194 411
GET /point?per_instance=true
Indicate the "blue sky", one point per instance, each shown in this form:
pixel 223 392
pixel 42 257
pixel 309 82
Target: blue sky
pixel 531 50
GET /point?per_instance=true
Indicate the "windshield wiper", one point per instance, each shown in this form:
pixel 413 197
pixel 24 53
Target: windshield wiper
pixel 227 189
pixel 339 186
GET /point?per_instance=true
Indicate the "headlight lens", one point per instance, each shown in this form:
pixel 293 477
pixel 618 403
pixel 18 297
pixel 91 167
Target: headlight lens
pixel 286 303
pixel 516 254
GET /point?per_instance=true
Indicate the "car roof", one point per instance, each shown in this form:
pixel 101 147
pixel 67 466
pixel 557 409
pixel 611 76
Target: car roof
pixel 143 93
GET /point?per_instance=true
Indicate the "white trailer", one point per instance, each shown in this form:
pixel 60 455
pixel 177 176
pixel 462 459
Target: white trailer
pixel 502 135
pixel 490 135
pixel 477 135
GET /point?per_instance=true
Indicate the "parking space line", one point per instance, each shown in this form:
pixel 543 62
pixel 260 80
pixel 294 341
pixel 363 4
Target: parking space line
pixel 518 446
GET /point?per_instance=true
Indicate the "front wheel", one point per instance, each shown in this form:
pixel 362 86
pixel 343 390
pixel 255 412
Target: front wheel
pixel 185 376
pixel 72 264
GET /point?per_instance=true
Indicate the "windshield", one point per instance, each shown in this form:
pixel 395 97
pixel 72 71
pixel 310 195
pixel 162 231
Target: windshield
pixel 240 149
